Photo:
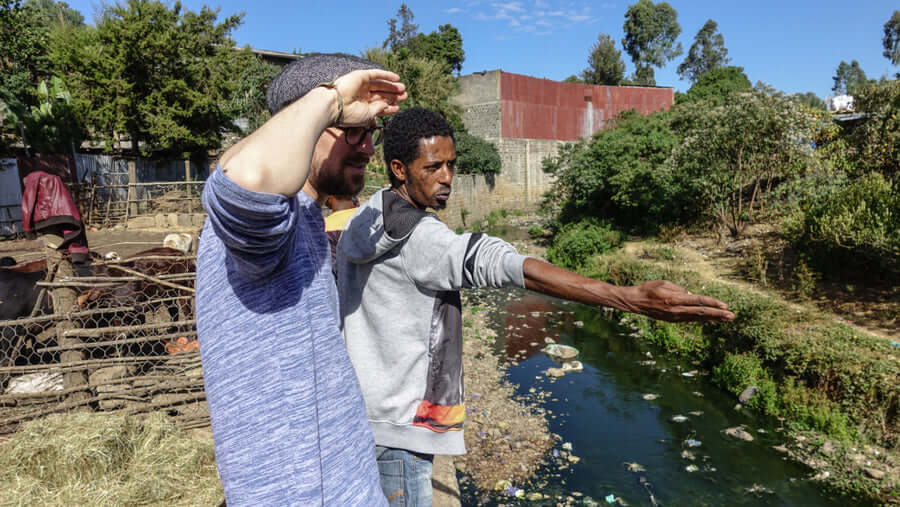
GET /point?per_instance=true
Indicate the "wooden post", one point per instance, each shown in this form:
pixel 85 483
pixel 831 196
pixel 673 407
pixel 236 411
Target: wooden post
pixel 132 190
pixel 64 300
pixel 187 187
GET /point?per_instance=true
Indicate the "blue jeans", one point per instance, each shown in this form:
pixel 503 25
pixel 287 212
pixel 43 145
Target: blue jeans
pixel 405 476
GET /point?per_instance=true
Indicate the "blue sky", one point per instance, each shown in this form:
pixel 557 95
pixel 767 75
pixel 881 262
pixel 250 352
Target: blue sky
pixel 793 45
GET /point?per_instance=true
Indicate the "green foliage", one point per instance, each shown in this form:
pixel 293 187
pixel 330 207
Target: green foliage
pixel 733 150
pixel 475 155
pixel 52 126
pixel 857 224
pixel 605 65
pixel 651 33
pixel 428 82
pixel 875 142
pixel 809 99
pixel 826 376
pixel 163 76
pixel 400 37
pixel 708 52
pixel 737 372
pixel 535 232
pixel 715 85
pixel 52 13
pixel 620 175
pixel 23 45
pixel 849 78
pixel 573 79
pixel 891 40
pixel 577 242
pixel 248 100
pixel 444 45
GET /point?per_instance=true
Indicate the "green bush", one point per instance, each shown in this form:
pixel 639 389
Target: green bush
pixel 876 140
pixel 737 372
pixel 619 175
pixel 578 242
pixel 475 155
pixel 852 225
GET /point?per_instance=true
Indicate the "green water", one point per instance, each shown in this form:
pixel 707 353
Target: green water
pixel 603 414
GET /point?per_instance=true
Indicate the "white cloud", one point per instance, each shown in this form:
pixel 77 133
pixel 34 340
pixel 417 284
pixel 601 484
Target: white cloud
pixel 453 10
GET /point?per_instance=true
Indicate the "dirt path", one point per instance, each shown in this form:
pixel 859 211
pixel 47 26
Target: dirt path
pixel 873 310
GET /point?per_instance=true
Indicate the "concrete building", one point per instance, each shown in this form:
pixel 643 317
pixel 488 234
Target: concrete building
pixel 527 118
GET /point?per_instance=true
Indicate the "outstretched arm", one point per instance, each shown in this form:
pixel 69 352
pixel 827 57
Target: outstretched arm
pixel 657 299
pixel 275 159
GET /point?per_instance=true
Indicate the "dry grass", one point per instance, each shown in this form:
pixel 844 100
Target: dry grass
pixel 103 459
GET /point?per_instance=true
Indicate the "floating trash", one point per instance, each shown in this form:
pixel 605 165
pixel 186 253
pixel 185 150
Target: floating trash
pixel 689 373
pixel 693 443
pixel 578 323
pixel 758 489
pixel 696 413
pixel 610 499
pixel 698 394
pixel 572 367
pixel 686 454
pixel 648 362
pixel 650 396
pixel 691 468
pixel 634 467
pixel 567 446
pixel 678 418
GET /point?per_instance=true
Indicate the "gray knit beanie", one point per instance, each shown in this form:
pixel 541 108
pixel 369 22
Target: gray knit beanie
pixel 307 72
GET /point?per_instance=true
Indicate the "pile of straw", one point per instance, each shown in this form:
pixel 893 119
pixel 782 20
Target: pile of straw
pixel 103 459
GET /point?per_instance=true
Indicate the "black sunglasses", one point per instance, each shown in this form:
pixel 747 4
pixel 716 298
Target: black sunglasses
pixel 355 135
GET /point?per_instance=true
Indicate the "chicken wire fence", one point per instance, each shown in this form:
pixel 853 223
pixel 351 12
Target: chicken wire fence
pixel 118 336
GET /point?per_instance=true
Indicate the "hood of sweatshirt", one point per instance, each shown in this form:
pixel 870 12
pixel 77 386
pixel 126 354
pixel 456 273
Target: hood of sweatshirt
pixel 381 223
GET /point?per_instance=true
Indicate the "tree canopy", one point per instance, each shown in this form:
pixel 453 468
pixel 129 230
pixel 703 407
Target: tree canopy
pixel 445 45
pixel 605 65
pixel 849 78
pixel 716 84
pixel 162 75
pixel 52 13
pixel 891 40
pixel 651 31
pixel 708 52
pixel 400 37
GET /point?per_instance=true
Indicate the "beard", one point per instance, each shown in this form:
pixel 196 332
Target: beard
pixel 342 181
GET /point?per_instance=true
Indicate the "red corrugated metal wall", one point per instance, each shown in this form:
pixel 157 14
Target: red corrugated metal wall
pixel 535 108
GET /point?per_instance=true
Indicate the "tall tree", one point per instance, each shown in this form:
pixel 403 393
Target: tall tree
pixel 445 46
pixel 809 99
pixel 605 65
pixel 849 78
pixel 651 31
pixel 400 37
pixel 716 85
pixel 52 13
pixel 162 75
pixel 708 52
pixel 891 39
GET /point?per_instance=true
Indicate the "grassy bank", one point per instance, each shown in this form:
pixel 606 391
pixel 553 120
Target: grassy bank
pixel 816 374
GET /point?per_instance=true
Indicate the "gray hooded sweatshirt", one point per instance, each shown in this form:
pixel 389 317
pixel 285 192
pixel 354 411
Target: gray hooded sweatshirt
pixel 399 271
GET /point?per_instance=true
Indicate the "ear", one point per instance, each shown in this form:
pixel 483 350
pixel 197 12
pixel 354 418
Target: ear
pixel 398 169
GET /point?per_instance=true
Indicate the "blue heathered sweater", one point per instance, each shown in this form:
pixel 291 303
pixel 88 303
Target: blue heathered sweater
pixel 287 415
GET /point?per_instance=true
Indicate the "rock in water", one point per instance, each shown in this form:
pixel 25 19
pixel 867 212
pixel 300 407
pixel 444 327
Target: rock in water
pixel 739 433
pixel 561 352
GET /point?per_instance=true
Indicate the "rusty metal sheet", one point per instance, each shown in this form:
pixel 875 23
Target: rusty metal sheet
pixel 535 108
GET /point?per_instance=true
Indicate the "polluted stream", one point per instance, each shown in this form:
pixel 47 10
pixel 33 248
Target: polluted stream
pixel 640 428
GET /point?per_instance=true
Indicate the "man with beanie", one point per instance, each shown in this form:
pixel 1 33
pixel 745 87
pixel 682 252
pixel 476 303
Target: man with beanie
pixel 399 272
pixel 287 415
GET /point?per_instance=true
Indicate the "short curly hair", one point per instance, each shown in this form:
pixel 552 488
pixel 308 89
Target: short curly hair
pixel 403 132
pixel 309 71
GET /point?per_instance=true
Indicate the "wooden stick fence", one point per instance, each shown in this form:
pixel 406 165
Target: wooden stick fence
pixel 145 381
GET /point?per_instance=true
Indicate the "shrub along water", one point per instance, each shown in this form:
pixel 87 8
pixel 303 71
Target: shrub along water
pixel 814 372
